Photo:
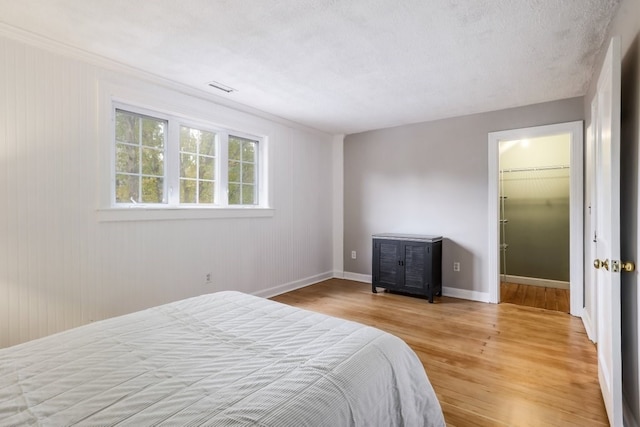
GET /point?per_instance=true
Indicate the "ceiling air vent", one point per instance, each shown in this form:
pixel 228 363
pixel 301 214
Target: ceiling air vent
pixel 221 87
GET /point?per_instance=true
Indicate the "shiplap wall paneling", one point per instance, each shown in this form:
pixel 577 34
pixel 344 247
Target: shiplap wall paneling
pixel 44 98
pixel 62 266
pixel 7 89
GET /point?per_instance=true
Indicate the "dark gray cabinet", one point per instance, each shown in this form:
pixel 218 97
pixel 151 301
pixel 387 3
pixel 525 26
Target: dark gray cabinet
pixel 407 263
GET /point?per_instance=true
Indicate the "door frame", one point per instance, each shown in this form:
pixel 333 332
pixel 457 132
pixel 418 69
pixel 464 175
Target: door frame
pixel 576 227
pixel 590 312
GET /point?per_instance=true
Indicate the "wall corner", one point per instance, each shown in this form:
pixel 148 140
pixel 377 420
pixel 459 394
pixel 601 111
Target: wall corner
pixel 338 201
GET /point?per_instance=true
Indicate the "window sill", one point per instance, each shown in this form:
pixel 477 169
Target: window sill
pixel 176 213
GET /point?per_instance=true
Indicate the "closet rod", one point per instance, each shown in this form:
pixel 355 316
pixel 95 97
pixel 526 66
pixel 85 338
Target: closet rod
pixel 536 168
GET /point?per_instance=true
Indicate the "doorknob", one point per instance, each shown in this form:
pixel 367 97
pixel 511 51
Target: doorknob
pixel 627 266
pixel 601 263
pixel 618 266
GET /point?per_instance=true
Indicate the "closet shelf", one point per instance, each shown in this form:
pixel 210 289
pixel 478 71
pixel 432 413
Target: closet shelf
pixel 535 168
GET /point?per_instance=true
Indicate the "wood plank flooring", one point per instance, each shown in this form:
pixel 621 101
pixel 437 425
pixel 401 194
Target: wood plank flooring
pixel 490 364
pixel 535 296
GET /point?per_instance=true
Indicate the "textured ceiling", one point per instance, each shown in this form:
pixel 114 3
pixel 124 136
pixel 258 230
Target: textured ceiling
pixel 343 66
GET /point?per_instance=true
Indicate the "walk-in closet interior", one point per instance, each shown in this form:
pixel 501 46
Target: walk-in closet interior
pixel 534 221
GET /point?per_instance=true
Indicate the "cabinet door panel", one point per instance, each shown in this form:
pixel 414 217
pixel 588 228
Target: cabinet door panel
pixel 389 267
pixel 415 260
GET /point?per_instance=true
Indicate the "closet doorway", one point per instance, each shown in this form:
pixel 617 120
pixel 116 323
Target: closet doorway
pixel 534 221
pixel 535 216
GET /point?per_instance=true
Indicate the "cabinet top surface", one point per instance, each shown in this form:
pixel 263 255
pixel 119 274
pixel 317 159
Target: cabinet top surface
pixel 414 237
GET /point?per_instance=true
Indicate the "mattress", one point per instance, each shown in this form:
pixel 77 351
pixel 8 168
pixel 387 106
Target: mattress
pixel 223 359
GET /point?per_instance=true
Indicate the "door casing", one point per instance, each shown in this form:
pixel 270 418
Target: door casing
pixel 576 230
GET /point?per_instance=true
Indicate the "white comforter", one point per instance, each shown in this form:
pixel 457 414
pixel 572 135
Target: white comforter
pixel 224 359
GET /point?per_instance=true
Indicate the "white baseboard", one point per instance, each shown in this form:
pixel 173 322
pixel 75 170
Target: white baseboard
pixel 338 274
pixel 534 281
pixel 465 294
pixel 366 278
pixel 291 286
pixel 628 419
pixel 588 325
pixel 448 292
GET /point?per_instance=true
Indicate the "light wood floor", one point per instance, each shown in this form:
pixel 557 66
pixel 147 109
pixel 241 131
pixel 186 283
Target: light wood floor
pixel 535 296
pixel 490 364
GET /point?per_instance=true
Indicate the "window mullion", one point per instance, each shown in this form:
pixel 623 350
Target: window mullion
pixel 256 174
pixel 172 171
pixel 140 160
pixel 198 171
pixel 222 171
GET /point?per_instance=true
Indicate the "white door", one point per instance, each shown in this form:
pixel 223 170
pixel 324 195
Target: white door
pixel 607 218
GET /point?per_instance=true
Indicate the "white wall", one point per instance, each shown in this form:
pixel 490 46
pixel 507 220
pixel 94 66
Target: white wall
pixel 61 265
pixel 554 150
pixel 338 205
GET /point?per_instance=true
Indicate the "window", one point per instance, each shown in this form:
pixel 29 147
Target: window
pixel 166 161
pixel 197 165
pixel 242 171
pixel 140 145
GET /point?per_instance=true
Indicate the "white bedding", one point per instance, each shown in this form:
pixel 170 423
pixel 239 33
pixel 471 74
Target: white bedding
pixel 224 359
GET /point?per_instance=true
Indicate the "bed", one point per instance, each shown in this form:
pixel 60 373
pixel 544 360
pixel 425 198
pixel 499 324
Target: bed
pixel 223 359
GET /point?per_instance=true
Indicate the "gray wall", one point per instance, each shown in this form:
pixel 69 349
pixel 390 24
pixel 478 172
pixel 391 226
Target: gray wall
pixel 431 178
pixel 626 25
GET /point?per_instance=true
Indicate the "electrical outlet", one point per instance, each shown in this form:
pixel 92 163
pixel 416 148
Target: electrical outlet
pixel 207 278
pixel 353 254
pixel 456 266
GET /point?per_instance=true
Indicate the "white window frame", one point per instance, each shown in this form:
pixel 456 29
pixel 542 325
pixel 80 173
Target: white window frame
pixel 177 180
pixel 152 115
pixel 109 210
pixel 256 163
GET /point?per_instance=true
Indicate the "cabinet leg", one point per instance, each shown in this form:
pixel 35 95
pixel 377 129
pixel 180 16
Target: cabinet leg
pixel 373 289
